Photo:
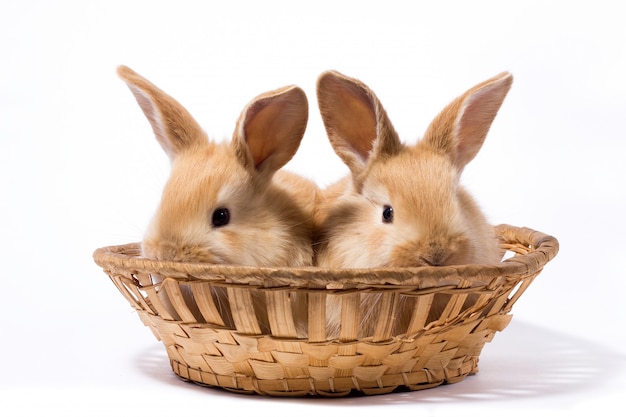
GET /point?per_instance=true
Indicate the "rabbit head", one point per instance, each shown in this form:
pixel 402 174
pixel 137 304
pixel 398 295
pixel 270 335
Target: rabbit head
pixel 223 202
pixel 403 205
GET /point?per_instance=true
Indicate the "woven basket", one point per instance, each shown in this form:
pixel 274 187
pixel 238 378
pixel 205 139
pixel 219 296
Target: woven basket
pixel 217 333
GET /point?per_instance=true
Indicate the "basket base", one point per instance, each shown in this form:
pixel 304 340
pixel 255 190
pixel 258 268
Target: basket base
pixel 332 387
pixel 264 365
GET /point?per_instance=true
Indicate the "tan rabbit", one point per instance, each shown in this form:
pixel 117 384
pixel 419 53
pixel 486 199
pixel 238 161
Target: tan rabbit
pixel 403 206
pixel 228 203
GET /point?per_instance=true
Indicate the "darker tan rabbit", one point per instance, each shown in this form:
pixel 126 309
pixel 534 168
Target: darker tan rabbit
pixel 403 206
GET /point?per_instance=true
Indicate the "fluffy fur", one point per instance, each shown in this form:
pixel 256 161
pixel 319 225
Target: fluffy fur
pixel 270 215
pixel 435 221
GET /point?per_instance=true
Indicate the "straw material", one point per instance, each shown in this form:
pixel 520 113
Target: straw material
pixel 263 330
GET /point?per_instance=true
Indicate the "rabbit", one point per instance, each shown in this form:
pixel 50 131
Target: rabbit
pixel 401 205
pixel 229 202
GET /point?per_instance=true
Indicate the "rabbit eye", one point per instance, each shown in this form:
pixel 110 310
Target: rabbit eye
pixel 387 214
pixel 220 217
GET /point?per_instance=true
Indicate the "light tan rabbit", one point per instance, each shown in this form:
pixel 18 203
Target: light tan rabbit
pixel 403 206
pixel 228 203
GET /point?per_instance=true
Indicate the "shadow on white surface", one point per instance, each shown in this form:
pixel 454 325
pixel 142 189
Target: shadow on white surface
pixel 524 362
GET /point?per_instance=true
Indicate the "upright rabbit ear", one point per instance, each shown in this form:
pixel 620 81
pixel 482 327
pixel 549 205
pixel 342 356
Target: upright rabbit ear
pixel 356 122
pixel 175 129
pixel 459 130
pixel 270 129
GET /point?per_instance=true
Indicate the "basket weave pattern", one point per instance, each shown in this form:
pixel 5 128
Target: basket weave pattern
pixel 217 333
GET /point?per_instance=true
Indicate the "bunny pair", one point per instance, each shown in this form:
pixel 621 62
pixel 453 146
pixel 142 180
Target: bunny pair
pixel 400 206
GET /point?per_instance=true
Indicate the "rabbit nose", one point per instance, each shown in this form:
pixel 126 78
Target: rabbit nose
pixel 425 261
pixel 435 258
pixel 435 254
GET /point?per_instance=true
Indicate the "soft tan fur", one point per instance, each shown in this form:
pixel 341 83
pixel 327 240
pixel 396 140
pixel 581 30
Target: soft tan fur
pixel 271 215
pixel 436 222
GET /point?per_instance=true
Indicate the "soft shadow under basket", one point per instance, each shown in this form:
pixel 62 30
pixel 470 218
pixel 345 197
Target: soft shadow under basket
pixel 263 330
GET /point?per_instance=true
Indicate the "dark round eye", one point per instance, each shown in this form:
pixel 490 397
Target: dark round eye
pixel 387 214
pixel 220 217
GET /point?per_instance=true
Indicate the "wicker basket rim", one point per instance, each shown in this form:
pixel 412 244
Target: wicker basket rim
pixel 542 248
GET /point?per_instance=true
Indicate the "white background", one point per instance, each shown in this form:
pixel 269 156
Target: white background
pixel 80 169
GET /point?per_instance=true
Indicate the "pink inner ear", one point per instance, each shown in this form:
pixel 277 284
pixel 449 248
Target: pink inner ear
pixel 471 131
pixel 350 116
pixel 274 127
pixel 255 136
pixel 358 126
pixel 475 119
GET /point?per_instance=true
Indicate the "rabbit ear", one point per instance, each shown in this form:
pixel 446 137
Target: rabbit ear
pixel 175 129
pixel 356 123
pixel 461 127
pixel 270 129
